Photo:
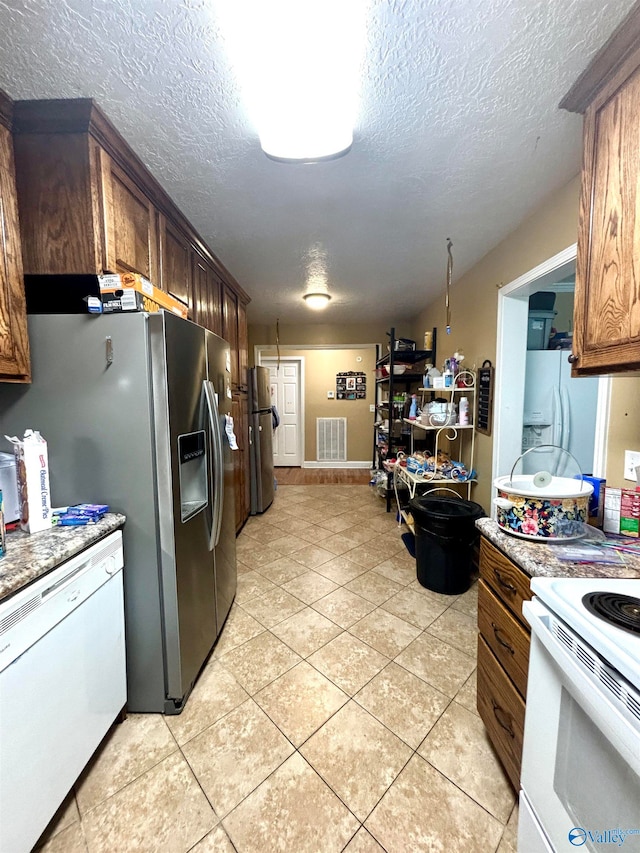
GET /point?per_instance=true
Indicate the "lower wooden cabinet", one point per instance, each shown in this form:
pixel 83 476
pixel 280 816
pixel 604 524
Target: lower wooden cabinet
pixel 505 636
pixel 503 655
pixel 240 414
pixel 502 710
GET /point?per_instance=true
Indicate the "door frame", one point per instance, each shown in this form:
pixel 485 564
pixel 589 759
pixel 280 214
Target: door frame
pixel 262 360
pixel 262 351
pixel 511 353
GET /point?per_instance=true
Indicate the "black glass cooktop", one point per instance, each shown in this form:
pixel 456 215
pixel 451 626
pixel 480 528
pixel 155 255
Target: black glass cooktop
pixel 620 610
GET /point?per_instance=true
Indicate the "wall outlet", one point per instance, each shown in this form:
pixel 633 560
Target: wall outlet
pixel 631 461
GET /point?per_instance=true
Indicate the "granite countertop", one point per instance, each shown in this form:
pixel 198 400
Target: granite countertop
pixel 538 559
pixel 30 556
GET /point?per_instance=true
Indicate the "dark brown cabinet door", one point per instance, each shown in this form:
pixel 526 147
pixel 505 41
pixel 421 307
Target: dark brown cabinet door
pixel 607 295
pixel 131 224
pixel 14 343
pixel 240 414
pixel 175 261
pixel 607 310
pixel 206 295
pixel 243 345
pixel 230 328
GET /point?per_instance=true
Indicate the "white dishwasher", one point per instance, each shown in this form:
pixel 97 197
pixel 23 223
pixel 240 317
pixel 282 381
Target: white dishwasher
pixel 62 684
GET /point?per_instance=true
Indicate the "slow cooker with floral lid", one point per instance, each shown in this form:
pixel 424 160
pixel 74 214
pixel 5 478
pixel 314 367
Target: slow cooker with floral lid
pixel 541 506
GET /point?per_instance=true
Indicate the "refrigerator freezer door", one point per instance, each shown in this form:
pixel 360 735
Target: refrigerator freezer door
pixel 219 379
pixel 187 566
pixel 541 375
pixel 261 462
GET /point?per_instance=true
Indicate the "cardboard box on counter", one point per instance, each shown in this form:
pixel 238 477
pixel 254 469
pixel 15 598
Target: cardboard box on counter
pixel 622 511
pixel 75 294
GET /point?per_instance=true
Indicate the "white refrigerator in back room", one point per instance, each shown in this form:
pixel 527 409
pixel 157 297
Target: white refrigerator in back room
pixel 558 410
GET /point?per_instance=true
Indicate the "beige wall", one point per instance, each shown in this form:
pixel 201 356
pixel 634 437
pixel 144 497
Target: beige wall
pixel 320 368
pixel 563 321
pixel 624 428
pixel 474 302
pixel 318 335
pixel 474 298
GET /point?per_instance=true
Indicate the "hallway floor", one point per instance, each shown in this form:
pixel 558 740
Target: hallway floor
pixel 337 711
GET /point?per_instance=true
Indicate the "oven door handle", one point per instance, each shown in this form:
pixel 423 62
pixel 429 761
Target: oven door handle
pixel 588 691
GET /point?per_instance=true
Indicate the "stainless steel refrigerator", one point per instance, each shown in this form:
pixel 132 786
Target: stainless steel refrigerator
pixel 133 408
pixel 260 439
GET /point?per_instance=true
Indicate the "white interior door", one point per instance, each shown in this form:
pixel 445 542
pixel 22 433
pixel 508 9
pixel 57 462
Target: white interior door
pixel 286 396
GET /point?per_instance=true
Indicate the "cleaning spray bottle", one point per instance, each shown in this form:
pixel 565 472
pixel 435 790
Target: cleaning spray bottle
pixel 413 410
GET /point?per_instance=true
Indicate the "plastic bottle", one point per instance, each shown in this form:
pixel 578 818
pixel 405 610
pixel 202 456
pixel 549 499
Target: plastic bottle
pixel 426 379
pixel 413 410
pixel 448 374
pixel 434 373
pixel 463 417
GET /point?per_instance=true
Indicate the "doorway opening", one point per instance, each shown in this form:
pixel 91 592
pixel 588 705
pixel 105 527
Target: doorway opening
pixel 523 419
pixel 286 379
pixel 322 369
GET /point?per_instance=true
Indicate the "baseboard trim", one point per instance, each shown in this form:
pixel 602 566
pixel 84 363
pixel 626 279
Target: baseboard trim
pixel 336 464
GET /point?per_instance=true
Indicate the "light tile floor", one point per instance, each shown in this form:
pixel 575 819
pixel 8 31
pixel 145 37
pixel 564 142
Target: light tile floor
pixel 337 712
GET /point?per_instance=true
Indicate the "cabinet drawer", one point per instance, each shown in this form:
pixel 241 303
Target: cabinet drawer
pixel 505 636
pixel 502 710
pixel 509 583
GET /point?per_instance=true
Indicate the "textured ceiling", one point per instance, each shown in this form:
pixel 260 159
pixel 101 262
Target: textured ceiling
pixel 458 135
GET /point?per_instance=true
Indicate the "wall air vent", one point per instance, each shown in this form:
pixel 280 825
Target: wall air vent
pixel 331 439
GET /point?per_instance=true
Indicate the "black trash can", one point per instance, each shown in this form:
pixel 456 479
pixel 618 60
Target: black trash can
pixel 445 533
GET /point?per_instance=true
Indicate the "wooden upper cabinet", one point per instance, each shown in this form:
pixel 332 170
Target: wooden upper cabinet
pixel 607 296
pixel 61 207
pixel 175 262
pixel 243 345
pixel 89 205
pixel 14 342
pixel 207 310
pixel 230 329
pixel 234 330
pixel 131 224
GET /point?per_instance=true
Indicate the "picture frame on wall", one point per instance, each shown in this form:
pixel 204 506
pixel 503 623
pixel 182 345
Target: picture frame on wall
pixel 351 385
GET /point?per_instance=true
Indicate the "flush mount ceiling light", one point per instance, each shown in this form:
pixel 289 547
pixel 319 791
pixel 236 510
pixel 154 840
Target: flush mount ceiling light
pixel 317 301
pixel 298 62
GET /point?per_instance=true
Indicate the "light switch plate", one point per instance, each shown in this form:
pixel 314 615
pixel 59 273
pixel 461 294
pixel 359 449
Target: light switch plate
pixel 631 461
pixel 330 395
pixel 372 408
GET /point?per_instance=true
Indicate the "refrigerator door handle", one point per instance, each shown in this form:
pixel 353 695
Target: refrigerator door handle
pixel 566 419
pixel 218 463
pixel 557 418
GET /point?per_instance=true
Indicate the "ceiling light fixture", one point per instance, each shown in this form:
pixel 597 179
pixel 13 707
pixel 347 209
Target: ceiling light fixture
pixel 299 67
pixel 317 301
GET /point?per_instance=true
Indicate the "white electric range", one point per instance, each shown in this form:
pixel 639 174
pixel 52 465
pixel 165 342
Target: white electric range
pixel 581 758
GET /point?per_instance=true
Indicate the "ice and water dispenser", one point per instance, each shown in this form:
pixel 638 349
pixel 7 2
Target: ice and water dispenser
pixel 192 455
